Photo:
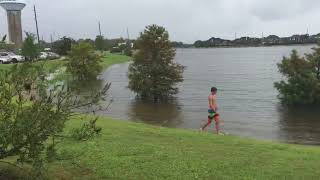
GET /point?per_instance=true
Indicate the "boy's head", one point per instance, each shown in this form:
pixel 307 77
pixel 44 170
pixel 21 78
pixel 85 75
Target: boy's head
pixel 214 90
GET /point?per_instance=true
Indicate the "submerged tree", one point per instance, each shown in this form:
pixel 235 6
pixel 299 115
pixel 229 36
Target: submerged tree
pixel 83 62
pixel 154 74
pixel 302 84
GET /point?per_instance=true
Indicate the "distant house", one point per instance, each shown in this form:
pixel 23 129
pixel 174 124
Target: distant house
pixel 218 42
pixel 271 40
pixel 299 38
pixel 247 41
pixel 253 41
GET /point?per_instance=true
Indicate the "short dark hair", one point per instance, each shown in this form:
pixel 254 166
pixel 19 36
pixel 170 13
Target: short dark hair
pixel 214 89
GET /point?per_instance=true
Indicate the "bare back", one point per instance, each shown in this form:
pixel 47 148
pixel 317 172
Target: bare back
pixel 212 102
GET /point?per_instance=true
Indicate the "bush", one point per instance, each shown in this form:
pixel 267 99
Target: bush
pixel 83 62
pixel 153 73
pixel 63 46
pixel 302 84
pixel 30 50
pixel 100 43
pixel 128 52
pixel 32 112
pixel 86 131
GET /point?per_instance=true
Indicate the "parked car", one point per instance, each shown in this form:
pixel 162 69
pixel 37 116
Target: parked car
pixel 52 55
pixel 43 55
pixel 4 60
pixel 49 55
pixel 10 57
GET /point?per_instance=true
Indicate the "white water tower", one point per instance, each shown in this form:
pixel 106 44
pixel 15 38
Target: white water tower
pixel 13 8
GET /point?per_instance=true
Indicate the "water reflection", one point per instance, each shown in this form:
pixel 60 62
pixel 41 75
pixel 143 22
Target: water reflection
pixel 300 125
pixel 163 114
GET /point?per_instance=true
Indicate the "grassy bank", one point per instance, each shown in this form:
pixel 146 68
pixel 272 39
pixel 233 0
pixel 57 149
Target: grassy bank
pixel 111 59
pixel 52 65
pixel 137 151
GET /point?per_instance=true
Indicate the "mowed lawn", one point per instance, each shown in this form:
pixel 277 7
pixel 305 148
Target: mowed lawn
pixel 52 65
pixel 136 151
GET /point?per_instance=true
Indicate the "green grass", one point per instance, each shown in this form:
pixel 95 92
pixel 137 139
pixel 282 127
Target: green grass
pixel 49 65
pixel 137 151
pixel 127 150
pixel 111 59
pixel 52 65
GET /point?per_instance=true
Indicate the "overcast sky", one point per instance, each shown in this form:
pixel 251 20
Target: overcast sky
pixel 186 20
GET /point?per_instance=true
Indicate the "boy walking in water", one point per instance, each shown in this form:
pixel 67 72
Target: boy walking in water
pixel 213 108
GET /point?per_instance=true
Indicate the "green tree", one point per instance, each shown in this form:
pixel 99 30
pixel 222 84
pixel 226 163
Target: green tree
pixel 5 46
pixel 154 74
pixel 83 62
pixel 33 113
pixel 302 79
pixel 100 43
pixel 63 46
pixel 30 50
pixel 3 42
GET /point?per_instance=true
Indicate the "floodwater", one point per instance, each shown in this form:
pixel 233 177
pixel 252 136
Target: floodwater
pixel 247 99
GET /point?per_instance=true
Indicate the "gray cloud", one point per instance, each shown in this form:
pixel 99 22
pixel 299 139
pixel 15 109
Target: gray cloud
pixel 186 20
pixel 282 9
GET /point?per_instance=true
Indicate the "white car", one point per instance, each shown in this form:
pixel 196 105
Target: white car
pixel 52 55
pixel 4 60
pixel 49 55
pixel 10 57
pixel 43 55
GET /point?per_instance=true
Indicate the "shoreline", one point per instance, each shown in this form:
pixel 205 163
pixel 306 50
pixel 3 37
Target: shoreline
pixel 262 46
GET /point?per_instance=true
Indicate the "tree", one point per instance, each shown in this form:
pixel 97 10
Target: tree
pixel 100 43
pixel 302 84
pixel 5 46
pixel 153 73
pixel 83 62
pixel 33 113
pixel 63 46
pixel 3 42
pixel 30 50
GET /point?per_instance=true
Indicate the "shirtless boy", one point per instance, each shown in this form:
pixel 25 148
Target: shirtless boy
pixel 213 108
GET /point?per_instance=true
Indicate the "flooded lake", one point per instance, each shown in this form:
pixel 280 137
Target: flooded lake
pixel 247 98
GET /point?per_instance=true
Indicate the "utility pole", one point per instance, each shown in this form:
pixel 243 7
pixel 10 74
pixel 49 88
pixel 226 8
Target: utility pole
pixel 51 40
pixel 36 19
pixel 100 29
pixel 128 36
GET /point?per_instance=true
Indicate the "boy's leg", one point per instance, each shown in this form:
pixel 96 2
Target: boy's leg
pixel 207 124
pixel 217 120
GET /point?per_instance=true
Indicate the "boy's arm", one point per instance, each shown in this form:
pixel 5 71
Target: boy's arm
pixel 214 104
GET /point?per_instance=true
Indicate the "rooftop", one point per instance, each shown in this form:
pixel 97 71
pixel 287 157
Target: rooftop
pixel 12 5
